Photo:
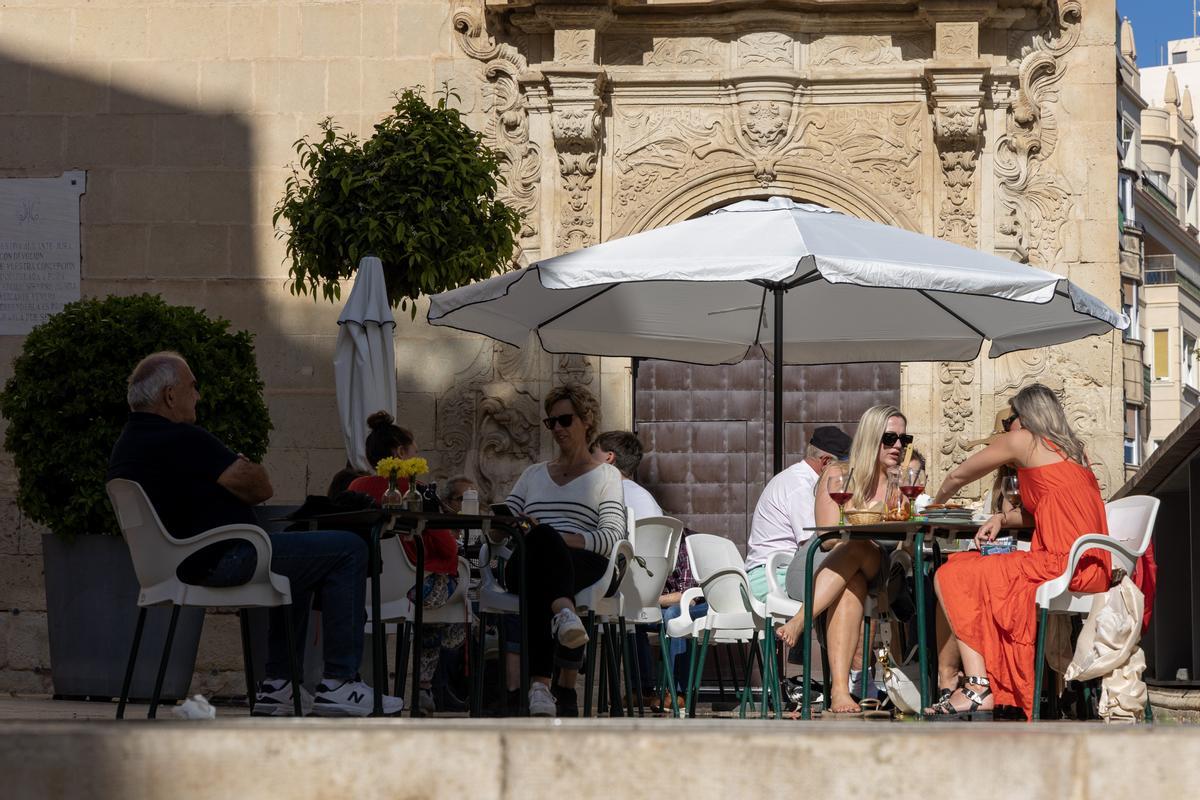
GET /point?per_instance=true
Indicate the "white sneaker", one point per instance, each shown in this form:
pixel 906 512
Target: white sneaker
pixel 568 629
pixel 274 699
pixel 541 701
pixel 351 699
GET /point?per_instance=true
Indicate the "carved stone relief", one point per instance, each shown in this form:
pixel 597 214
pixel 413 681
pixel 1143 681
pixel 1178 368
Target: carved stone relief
pixel 859 51
pixel 488 422
pixel 958 401
pixel 697 51
pixel 956 131
pixel 656 149
pixel 1034 198
pixel 576 122
pixel 507 118
pixel 759 49
pixel 573 46
pixel 957 41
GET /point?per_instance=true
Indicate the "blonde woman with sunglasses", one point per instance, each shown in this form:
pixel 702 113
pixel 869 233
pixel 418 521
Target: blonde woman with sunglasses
pixel 577 508
pixel 847 571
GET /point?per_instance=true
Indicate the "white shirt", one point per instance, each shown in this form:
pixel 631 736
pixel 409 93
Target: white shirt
pixel 642 502
pixel 787 506
pixel 591 504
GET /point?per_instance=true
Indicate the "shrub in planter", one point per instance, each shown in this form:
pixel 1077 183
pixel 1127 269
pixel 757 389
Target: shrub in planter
pixel 420 194
pixel 65 407
pixel 65 403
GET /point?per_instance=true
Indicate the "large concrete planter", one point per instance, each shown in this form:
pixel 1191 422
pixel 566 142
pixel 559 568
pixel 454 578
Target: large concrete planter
pixel 91 611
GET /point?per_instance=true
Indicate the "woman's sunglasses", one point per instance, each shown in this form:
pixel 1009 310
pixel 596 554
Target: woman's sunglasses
pixel 562 421
pixel 1007 423
pixel 891 437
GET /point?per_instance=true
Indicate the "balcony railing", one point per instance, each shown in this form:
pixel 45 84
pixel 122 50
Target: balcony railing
pixel 1160 189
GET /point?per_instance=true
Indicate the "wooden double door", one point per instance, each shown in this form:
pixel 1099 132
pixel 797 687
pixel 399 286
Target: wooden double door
pixel 707 430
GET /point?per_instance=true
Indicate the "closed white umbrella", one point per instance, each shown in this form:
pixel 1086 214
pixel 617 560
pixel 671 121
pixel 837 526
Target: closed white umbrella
pixel 710 290
pixel 364 363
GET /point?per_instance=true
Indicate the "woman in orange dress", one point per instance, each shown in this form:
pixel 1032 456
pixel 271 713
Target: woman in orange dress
pixel 988 601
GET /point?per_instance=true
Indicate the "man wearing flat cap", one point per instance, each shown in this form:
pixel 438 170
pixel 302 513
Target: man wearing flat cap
pixel 787 505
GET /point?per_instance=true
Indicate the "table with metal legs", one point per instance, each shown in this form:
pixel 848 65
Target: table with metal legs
pixel 913 534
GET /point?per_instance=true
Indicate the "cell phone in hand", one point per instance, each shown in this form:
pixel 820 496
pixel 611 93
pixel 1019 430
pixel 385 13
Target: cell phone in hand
pixel 501 510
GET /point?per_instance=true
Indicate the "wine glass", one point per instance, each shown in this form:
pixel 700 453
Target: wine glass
pixel 1012 490
pixel 841 489
pixel 912 483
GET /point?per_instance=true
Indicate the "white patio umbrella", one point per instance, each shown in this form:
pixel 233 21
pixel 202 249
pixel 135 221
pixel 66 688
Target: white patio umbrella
pixel 709 290
pixel 364 363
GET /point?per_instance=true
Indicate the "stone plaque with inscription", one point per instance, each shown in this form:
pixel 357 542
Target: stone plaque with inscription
pixel 39 249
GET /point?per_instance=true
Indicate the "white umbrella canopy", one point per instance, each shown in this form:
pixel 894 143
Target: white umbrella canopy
pixel 364 362
pixel 710 290
pixel 700 291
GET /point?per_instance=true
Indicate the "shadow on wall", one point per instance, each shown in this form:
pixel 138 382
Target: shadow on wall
pixel 171 207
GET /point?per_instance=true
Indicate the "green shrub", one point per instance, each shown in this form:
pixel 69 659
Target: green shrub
pixel 420 194
pixel 65 403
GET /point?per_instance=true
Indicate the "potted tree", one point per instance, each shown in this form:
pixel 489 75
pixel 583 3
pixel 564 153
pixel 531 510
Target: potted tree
pixel 65 406
pixel 420 194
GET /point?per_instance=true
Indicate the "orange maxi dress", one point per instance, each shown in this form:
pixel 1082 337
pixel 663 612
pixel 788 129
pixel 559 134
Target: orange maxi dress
pixel 990 600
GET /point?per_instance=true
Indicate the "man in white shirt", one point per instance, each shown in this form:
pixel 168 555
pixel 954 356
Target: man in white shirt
pixel 787 505
pixel 623 450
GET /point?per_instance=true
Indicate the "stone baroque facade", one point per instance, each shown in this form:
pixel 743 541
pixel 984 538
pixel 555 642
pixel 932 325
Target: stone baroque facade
pixel 950 117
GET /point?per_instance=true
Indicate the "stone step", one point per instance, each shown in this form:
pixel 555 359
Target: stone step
pixel 239 758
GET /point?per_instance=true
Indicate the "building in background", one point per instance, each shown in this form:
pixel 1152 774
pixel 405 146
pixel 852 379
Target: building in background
pixel 1160 251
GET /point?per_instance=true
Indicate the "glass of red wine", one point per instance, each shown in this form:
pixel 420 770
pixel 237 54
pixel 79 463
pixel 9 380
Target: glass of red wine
pixel 912 484
pixel 841 489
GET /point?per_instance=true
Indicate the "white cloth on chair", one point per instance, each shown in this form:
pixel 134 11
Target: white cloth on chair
pixel 1108 649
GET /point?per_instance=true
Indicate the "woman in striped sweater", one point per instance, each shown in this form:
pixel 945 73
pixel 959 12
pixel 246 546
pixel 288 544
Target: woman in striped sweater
pixel 577 507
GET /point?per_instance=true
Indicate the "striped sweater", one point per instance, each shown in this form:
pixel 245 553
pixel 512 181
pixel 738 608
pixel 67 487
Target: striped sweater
pixel 592 504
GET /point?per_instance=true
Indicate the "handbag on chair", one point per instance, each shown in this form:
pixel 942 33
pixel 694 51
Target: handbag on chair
pixel 900 680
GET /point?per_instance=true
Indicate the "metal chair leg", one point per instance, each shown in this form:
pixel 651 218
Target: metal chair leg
pixel 1039 660
pixel 633 668
pixel 248 658
pixel 125 684
pixel 613 644
pixel 402 640
pixel 589 659
pixel 696 675
pixel 162 665
pixel 481 666
pixel 717 651
pixel 866 656
pixel 294 663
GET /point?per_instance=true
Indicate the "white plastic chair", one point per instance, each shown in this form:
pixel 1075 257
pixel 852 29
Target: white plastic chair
pixel 655 543
pixel 1130 528
pixel 156 557
pixel 733 613
pixel 398 577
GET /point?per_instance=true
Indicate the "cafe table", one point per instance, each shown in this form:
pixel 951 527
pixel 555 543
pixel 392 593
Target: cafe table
pixel 913 534
pixel 386 522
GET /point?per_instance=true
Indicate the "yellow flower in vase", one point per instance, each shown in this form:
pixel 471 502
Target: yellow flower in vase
pixel 391 467
pixel 412 467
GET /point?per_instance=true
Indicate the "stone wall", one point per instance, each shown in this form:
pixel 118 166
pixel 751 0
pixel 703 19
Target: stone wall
pixel 989 126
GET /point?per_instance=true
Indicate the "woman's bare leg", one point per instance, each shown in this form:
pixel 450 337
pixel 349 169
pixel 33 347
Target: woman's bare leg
pixel 843 563
pixel 948 659
pixel 973 663
pixel 842 637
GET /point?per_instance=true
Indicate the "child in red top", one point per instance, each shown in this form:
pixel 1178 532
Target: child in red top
pixel 441 549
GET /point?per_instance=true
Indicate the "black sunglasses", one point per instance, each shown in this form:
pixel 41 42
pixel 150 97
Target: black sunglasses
pixel 1007 423
pixel 890 438
pixel 562 420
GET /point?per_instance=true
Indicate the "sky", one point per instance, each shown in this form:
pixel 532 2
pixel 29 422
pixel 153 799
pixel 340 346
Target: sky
pixel 1155 22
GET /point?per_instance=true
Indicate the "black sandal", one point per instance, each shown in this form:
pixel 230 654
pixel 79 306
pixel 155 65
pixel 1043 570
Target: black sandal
pixel 974 713
pixel 942 707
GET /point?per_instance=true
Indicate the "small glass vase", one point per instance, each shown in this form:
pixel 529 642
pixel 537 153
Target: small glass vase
pixel 413 500
pixel 393 498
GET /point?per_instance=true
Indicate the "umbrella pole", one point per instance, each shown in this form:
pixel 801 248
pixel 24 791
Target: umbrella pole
pixel 777 379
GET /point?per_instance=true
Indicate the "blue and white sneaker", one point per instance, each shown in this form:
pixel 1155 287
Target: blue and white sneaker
pixel 274 699
pixel 351 699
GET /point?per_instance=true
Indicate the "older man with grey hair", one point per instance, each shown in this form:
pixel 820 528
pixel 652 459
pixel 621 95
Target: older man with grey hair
pixel 196 483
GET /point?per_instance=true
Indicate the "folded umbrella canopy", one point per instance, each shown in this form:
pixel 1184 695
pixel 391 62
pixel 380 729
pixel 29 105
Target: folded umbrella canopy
pixel 364 362
pixel 805 283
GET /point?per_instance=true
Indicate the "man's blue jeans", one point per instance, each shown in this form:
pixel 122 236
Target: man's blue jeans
pixel 332 564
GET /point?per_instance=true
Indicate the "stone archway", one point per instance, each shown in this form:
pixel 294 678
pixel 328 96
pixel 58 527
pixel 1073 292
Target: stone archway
pixel 706 429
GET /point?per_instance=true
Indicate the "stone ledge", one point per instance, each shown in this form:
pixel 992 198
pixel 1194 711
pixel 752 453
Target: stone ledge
pixel 585 759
